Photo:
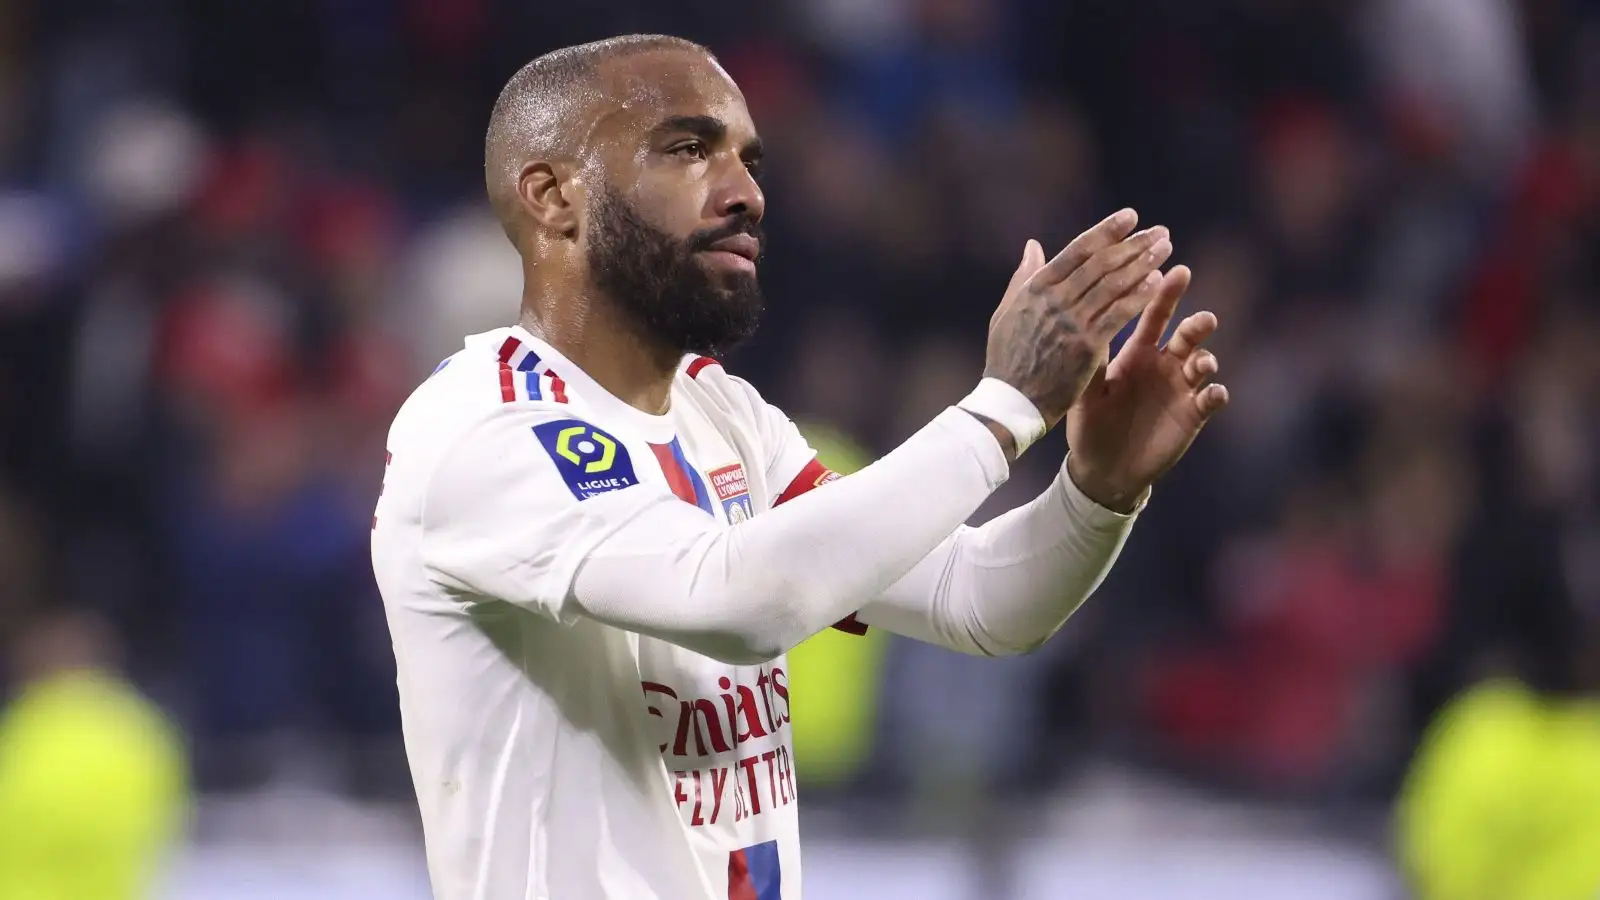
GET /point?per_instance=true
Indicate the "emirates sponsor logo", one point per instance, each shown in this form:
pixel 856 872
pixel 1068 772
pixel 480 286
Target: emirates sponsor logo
pixel 752 779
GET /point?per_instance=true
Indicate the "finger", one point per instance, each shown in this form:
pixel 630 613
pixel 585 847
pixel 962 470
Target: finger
pixel 1210 400
pixel 1133 274
pixel 1130 257
pixel 1191 333
pixel 1034 253
pixel 1113 318
pixel 1155 317
pixel 1032 259
pixel 1096 385
pixel 1199 368
pixel 1107 232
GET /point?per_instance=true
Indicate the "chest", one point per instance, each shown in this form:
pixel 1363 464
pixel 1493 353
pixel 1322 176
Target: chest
pixel 723 733
pixel 707 464
pixel 706 712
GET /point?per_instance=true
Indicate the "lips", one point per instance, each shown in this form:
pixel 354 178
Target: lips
pixel 739 245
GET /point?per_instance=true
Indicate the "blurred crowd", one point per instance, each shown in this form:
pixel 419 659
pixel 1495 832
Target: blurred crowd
pixel 233 236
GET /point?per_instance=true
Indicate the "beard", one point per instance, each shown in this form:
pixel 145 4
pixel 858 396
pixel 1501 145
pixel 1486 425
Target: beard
pixel 656 279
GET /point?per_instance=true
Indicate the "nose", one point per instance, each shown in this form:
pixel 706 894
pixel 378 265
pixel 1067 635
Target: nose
pixel 739 194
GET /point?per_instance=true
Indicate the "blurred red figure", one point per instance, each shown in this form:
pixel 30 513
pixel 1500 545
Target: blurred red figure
pixel 1323 618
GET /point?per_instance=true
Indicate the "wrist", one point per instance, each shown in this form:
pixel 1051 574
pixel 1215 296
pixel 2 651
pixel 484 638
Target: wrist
pixel 1002 434
pixel 1000 405
pixel 1121 499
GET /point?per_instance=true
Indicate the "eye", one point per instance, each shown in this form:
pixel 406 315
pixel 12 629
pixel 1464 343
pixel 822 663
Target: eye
pixel 692 149
pixel 756 168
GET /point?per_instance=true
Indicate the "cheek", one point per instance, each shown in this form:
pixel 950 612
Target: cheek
pixel 676 196
pixel 673 214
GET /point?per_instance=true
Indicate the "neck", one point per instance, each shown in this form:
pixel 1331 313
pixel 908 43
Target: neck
pixel 609 345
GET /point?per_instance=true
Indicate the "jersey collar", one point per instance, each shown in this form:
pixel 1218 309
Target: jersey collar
pixel 585 391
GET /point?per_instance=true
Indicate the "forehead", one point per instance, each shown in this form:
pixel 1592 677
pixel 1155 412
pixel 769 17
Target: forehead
pixel 645 88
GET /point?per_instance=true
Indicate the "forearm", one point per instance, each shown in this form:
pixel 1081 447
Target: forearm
pixel 1006 587
pixel 750 592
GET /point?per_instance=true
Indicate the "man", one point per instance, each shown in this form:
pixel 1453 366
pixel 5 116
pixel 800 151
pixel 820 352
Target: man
pixel 595 545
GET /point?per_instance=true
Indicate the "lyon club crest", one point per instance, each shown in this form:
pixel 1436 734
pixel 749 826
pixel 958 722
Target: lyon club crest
pixel 733 489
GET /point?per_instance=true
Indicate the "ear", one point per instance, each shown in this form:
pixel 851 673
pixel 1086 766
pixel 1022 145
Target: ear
pixel 548 196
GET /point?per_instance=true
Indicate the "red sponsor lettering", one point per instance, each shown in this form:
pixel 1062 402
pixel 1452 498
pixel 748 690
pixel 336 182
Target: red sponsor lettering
pixel 780 686
pixel 747 724
pixel 762 683
pixel 690 717
pixel 742 791
pixel 747 713
pixel 748 764
pixel 719 779
pixel 786 779
pixel 677 788
pixel 741 714
pixel 695 818
pixel 741 807
pixel 772 775
pixel 651 687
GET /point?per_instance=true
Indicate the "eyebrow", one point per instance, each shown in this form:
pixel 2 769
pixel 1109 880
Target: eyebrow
pixel 709 129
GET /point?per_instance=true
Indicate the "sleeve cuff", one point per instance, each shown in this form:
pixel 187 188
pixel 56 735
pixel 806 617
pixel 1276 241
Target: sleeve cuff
pixel 983 443
pixel 1090 514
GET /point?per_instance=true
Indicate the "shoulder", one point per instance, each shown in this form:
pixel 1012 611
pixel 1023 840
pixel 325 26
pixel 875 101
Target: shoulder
pixel 526 459
pixel 693 365
pixel 488 378
pixel 488 416
pixel 708 380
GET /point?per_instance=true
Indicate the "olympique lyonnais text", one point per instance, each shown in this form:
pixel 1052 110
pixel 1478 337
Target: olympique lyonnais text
pixel 720 727
pixel 729 481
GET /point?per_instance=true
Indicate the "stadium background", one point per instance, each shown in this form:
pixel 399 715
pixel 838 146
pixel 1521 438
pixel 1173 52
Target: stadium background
pixel 234 235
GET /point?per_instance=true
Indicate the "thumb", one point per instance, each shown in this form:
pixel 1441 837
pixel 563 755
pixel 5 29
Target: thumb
pixel 1032 261
pixel 1096 385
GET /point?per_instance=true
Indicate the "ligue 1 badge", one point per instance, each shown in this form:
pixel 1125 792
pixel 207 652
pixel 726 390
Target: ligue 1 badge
pixel 590 460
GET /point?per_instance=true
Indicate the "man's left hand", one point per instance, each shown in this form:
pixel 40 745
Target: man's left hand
pixel 1143 409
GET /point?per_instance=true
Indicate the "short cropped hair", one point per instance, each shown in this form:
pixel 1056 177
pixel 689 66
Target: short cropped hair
pixel 536 112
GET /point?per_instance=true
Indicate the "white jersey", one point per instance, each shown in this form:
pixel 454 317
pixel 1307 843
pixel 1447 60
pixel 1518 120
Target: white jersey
pixel 555 756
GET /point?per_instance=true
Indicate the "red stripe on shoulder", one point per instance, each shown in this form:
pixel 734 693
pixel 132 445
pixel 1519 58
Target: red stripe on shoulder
pixel 700 362
pixel 558 388
pixel 813 476
pixel 508 394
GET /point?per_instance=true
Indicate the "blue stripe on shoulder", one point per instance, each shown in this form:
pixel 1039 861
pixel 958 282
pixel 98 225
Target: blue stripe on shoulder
pixel 529 364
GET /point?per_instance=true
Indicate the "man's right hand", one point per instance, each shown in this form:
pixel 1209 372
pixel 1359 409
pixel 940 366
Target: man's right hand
pixel 1053 329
